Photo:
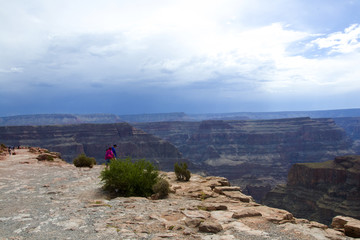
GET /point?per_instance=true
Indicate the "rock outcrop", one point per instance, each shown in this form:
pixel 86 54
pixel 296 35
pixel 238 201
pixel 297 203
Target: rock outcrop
pixel 320 191
pixel 349 225
pixel 253 154
pixel 55 200
pixel 93 140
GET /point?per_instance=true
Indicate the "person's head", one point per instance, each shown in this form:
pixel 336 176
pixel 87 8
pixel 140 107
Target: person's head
pixel 115 145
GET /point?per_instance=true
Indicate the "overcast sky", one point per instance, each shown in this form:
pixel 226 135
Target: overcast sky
pixel 198 56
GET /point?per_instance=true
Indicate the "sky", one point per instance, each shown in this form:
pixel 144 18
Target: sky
pixel 198 56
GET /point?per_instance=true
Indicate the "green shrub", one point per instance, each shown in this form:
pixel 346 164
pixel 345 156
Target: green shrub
pixel 3 148
pixel 181 172
pixel 161 188
pixel 45 157
pixel 83 161
pixel 126 178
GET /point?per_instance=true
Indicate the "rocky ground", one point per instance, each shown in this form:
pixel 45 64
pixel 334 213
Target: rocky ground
pixel 55 200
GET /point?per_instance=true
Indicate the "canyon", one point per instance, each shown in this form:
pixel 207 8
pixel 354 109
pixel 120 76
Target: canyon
pixel 320 191
pixel 254 154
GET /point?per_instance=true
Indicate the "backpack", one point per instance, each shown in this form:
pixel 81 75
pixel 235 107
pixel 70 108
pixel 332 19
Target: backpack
pixel 109 154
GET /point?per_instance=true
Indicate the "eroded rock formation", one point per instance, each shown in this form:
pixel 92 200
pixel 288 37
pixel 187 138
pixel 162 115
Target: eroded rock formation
pixel 253 154
pixel 320 191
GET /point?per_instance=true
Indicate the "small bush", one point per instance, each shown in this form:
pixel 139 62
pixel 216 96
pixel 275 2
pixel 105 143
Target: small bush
pixel 181 172
pixel 83 161
pixel 45 157
pixel 3 148
pixel 161 188
pixel 123 177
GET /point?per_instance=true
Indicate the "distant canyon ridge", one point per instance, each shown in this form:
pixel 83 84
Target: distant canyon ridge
pixel 255 154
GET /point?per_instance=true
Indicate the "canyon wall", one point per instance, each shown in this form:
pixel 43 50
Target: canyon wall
pixel 255 154
pixel 320 191
pixel 93 139
pixel 351 125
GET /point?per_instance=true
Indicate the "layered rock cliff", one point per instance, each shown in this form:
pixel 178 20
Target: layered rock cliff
pixel 253 154
pixel 351 125
pixel 320 191
pixel 93 139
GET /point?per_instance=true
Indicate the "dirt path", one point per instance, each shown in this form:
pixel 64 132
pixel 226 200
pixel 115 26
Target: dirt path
pixel 36 198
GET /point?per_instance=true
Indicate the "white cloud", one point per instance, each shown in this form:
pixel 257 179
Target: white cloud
pixel 231 48
pixel 12 70
pixel 341 42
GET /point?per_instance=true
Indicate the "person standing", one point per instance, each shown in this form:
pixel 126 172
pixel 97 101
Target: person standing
pixel 108 155
pixel 114 151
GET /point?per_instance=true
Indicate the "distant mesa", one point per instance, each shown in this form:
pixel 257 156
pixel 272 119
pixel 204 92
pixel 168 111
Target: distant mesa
pixel 59 119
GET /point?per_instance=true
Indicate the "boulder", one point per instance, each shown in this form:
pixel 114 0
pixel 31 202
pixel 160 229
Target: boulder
pixel 192 222
pixel 210 227
pixel 350 226
pixel 352 229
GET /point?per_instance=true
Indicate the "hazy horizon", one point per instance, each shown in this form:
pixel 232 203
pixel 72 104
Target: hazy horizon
pixel 144 57
pixel 187 113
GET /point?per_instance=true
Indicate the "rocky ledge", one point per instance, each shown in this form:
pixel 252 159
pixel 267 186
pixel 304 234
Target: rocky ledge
pixel 55 200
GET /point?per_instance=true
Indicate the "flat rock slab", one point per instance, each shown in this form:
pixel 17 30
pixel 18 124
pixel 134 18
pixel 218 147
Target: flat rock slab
pixel 246 213
pixel 238 196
